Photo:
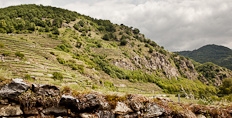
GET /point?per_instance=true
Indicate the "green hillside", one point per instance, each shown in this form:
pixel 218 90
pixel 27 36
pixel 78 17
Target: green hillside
pixel 50 45
pixel 219 55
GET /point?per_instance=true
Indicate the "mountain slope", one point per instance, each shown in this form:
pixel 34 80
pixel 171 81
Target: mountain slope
pixel 52 45
pixel 219 55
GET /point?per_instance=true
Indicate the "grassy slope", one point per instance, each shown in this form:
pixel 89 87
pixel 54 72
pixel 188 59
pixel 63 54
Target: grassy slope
pixel 41 53
pixel 40 63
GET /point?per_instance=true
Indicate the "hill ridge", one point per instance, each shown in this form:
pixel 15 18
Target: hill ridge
pixel 96 54
pixel 217 54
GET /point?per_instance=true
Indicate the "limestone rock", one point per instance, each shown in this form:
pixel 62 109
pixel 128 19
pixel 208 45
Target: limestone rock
pixel 10 111
pixel 153 110
pixel 136 106
pixel 122 108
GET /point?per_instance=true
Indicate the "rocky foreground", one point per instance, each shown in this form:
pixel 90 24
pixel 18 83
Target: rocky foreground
pixel 20 99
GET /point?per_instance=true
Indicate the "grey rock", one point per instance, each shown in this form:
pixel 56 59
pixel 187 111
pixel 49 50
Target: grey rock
pixel 136 106
pixel 47 90
pixel 90 102
pixel 105 114
pixel 153 110
pixel 13 89
pixel 121 108
pixel 68 102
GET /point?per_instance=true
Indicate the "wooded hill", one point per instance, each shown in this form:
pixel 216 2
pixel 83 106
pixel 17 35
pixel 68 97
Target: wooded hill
pixel 45 44
pixel 219 55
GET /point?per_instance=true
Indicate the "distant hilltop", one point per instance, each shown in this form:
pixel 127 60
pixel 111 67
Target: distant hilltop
pixel 219 55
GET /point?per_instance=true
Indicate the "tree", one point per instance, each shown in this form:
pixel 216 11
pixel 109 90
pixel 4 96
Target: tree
pixel 2 24
pixel 136 31
pixel 55 31
pixel 123 42
pixel 226 87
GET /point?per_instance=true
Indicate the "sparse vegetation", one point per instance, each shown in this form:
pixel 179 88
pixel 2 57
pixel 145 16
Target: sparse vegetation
pixel 19 54
pixel 94 49
pixel 57 76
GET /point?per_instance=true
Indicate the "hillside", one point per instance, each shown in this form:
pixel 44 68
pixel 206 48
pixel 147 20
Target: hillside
pixel 219 55
pixel 50 45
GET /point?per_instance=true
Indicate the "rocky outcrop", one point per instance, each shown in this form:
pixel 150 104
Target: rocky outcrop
pixel 157 62
pixel 47 101
pixel 186 68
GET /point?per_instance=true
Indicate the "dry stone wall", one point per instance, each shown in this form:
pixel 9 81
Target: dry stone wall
pixel 21 100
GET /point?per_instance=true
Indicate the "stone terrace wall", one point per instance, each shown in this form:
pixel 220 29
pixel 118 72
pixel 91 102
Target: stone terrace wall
pixel 19 100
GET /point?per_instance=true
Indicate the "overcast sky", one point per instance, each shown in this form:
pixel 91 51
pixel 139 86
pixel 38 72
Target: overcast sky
pixel 175 24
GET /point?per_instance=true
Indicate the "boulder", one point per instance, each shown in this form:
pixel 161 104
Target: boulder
pixel 47 90
pixel 69 102
pixel 10 111
pixel 121 108
pixel 14 89
pixel 153 110
pixel 91 102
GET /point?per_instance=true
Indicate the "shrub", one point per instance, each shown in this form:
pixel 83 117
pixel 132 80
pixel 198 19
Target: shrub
pixel 6 53
pixel 78 44
pixel 63 47
pixel 27 77
pixel 113 99
pixel 106 37
pixel 226 87
pixel 66 89
pixel 123 42
pixel 19 54
pixel 57 76
pixel 60 60
pixel 150 50
pixel 136 31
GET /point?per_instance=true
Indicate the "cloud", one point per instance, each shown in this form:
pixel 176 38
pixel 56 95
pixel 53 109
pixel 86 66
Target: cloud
pixel 174 24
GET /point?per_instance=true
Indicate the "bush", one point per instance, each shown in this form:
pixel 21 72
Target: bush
pixel 136 31
pixel 226 87
pixel 60 60
pixel 66 89
pixel 123 42
pixel 19 54
pixel 63 47
pixel 150 50
pixel 57 76
pixel 6 53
